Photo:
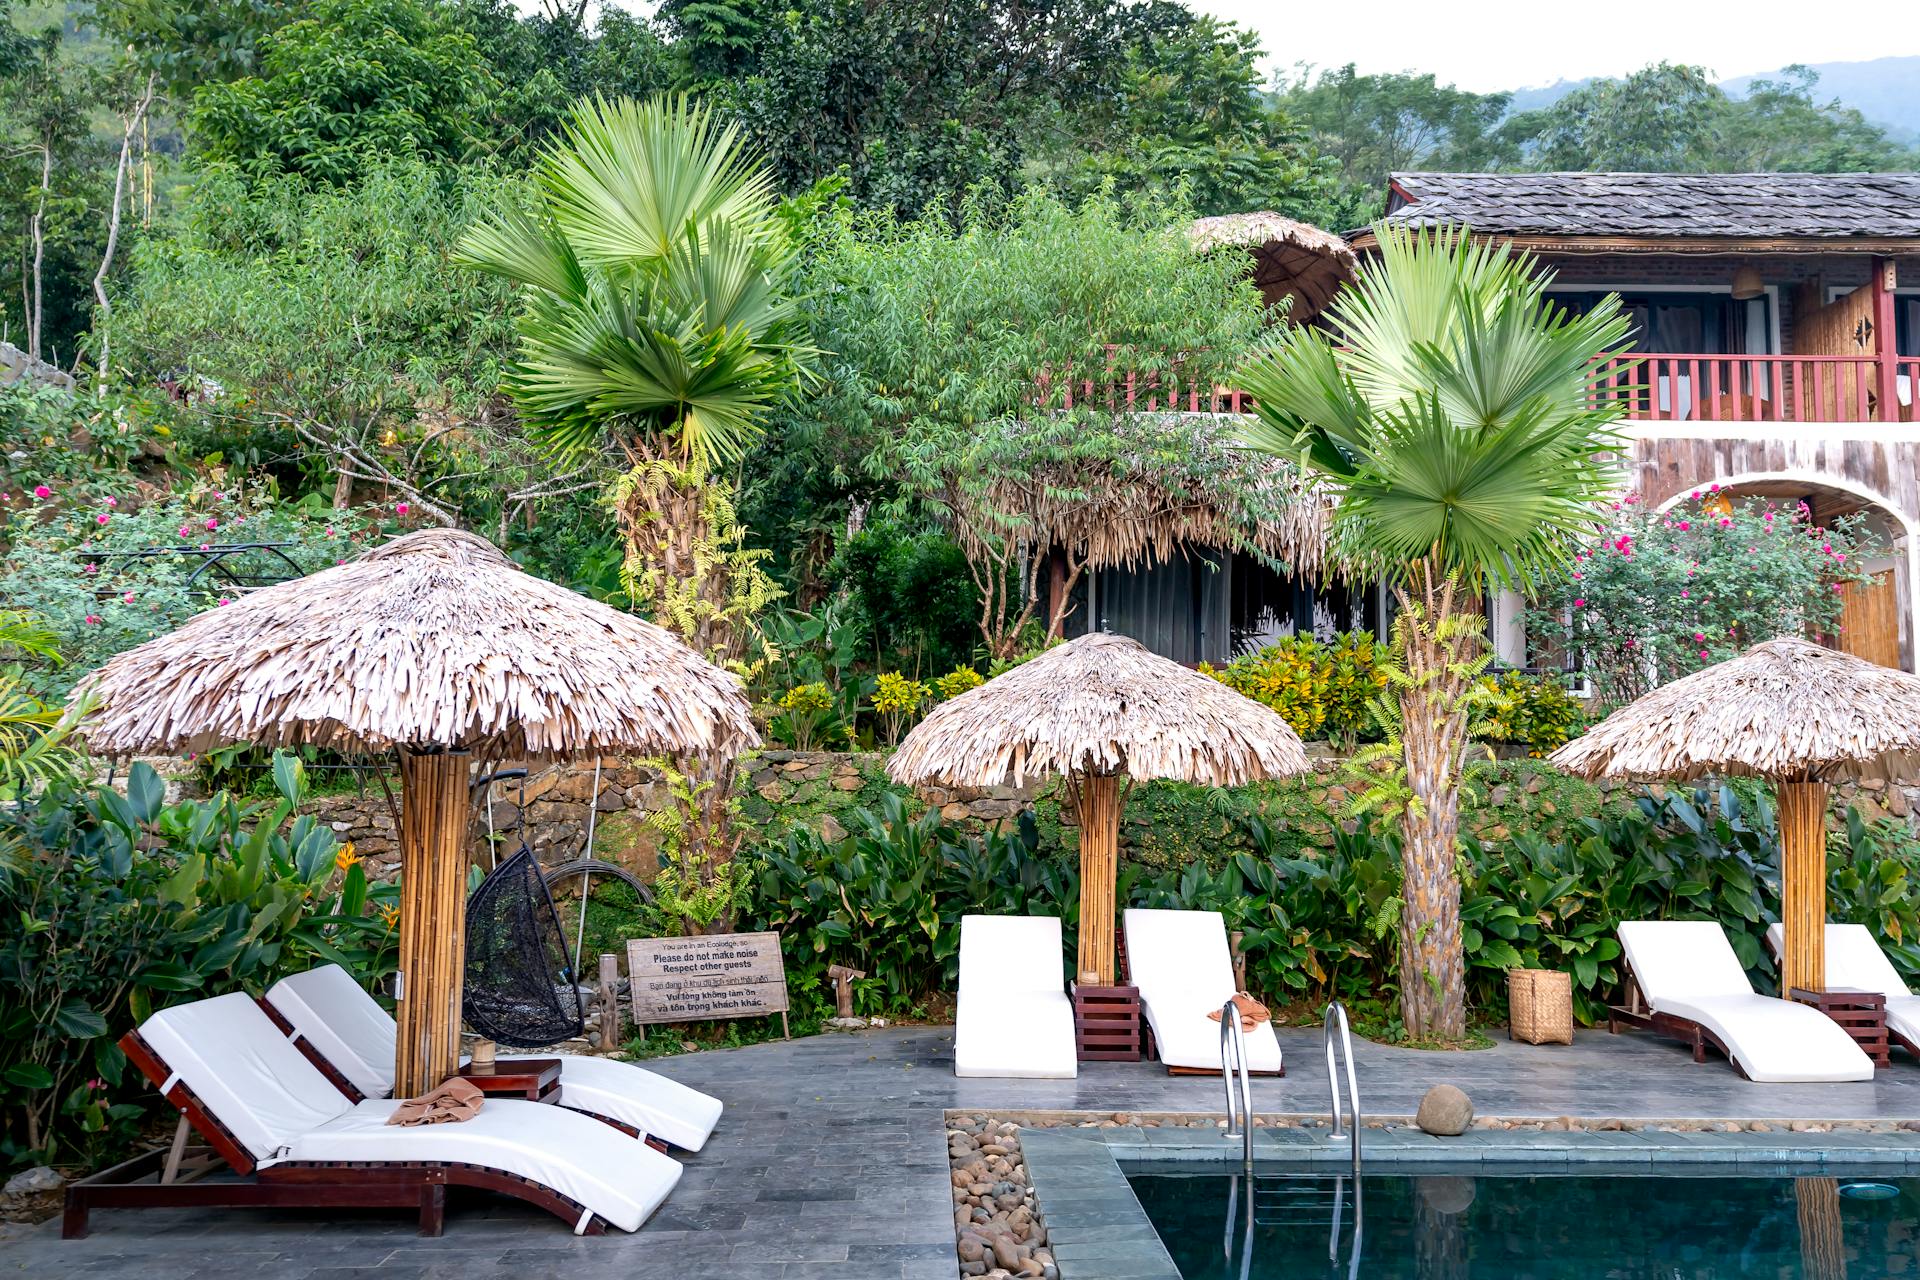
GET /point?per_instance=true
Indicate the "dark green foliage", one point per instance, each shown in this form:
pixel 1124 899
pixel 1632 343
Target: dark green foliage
pixel 1321 923
pixel 911 595
pixel 118 904
pixel 348 81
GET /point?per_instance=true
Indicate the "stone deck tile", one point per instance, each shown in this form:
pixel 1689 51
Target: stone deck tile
pixel 851 1127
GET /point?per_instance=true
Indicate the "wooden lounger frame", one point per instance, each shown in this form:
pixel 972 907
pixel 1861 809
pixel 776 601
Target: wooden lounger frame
pixel 304 1184
pixel 353 1094
pixel 1637 1013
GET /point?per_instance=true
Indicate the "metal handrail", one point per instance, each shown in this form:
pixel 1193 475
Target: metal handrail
pixel 1232 1034
pixel 1333 1078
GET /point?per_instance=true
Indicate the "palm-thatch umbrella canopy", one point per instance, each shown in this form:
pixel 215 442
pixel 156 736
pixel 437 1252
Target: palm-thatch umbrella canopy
pixel 1291 260
pixel 1099 711
pixel 1789 710
pixel 437 646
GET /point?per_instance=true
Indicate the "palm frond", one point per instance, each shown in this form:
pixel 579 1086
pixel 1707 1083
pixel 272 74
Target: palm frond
pixel 1450 404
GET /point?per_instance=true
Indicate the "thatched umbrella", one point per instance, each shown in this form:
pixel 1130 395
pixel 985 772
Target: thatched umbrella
pixel 1789 710
pixel 437 647
pixel 1103 713
pixel 1290 259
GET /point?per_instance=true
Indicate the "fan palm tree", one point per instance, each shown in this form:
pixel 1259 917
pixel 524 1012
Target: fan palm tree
pixel 1449 407
pixel 655 323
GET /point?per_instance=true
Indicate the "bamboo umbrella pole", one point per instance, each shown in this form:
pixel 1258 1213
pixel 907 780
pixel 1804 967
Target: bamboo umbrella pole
pixel 433 875
pixel 1099 866
pixel 1802 807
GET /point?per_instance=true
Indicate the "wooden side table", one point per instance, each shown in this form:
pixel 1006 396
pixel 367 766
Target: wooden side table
pixel 1106 1023
pixel 1861 1014
pixel 535 1079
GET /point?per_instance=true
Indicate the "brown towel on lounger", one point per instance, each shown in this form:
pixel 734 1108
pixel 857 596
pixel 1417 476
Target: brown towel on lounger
pixel 1252 1012
pixel 452 1102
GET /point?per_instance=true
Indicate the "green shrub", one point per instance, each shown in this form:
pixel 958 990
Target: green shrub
pixel 119 904
pixel 1534 711
pixel 79 560
pixel 1322 925
pixel 1321 689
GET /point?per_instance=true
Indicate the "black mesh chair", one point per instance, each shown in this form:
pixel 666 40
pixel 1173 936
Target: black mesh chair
pixel 520 991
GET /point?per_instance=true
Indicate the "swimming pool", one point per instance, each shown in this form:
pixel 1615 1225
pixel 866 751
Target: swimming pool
pixel 1533 1227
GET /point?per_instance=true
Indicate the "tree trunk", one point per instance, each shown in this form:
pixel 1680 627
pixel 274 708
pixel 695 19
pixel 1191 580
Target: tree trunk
pixel 102 304
pixel 1433 741
pixel 37 229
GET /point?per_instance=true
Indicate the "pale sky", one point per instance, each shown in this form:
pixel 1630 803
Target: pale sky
pixel 1483 45
pixel 1486 45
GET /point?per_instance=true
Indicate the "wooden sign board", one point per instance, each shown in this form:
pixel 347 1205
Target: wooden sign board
pixel 722 975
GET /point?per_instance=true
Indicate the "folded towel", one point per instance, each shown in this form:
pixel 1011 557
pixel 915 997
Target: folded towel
pixel 452 1102
pixel 1252 1012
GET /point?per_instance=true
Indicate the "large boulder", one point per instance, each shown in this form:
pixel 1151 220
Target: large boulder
pixel 1445 1112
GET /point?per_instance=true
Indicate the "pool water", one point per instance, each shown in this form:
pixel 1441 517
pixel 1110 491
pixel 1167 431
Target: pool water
pixel 1535 1227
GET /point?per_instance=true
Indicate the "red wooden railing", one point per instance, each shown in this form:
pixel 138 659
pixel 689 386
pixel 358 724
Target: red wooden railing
pixel 1107 381
pixel 1719 388
pixel 1655 388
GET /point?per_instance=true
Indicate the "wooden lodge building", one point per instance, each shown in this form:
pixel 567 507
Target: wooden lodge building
pixel 1777 320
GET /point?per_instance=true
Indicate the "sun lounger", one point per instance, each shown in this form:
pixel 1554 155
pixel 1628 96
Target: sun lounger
pixel 293 1139
pixel 1180 962
pixel 352 1038
pixel 1687 983
pixel 1854 959
pixel 1014 1017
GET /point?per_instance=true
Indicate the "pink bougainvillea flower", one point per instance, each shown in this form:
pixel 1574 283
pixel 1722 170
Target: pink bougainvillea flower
pixel 185 530
pixel 42 492
pixel 1703 653
pixel 1696 493
pixel 93 568
pixel 1714 488
pixel 219 495
pixel 112 501
pixel 102 518
pixel 1699 637
pixel 206 546
pixel 127 598
pixel 1579 602
pixel 1631 643
pixel 1726 522
pixel 212 524
pixel 329 531
pixel 1685 525
pixel 401 509
pixel 93 620
pixel 1839 586
pixel 1684 593
pixel 224 600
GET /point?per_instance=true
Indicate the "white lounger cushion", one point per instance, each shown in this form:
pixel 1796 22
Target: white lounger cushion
pixel 256 1083
pixel 348 1028
pixel 1854 959
pixel 1180 962
pixel 248 1075
pixel 1013 1020
pixel 1687 968
pixel 620 1178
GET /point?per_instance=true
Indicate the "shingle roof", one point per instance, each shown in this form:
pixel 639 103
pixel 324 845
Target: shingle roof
pixel 1738 205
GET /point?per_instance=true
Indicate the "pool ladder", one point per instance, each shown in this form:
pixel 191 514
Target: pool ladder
pixel 1233 1062
pixel 1338 1010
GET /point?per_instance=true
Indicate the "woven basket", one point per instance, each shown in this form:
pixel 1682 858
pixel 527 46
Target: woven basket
pixel 1541 1003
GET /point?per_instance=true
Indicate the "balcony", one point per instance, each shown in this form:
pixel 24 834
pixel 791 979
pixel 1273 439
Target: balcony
pixel 1654 388
pixel 1721 388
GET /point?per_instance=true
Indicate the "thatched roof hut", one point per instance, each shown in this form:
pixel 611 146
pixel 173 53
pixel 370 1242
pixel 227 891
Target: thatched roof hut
pixel 1099 705
pixel 1179 483
pixel 1790 710
pixel 437 646
pixel 433 638
pixel 1785 709
pixel 1291 260
pixel 1099 711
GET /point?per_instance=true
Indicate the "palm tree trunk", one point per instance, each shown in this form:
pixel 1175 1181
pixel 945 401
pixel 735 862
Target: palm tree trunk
pixel 1433 741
